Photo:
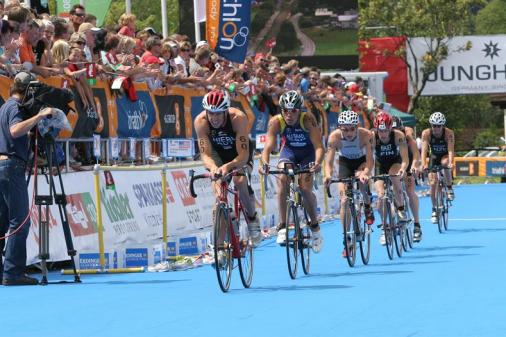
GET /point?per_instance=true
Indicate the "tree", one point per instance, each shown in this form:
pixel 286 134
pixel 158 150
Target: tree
pixel 492 18
pixel 437 20
pixel 147 13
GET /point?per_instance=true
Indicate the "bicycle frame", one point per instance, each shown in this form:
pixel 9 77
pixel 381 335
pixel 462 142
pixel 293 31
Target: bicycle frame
pixel 240 249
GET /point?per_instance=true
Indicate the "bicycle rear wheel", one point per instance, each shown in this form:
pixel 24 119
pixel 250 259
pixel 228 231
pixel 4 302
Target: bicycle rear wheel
pixel 305 244
pixel 246 258
pixel 350 239
pixel 223 261
pixel 292 239
pixel 365 231
pixel 388 227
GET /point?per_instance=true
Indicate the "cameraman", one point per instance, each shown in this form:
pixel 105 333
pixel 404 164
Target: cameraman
pixel 14 204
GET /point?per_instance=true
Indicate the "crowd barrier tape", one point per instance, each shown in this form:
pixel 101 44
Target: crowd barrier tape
pixel 160 113
pixel 121 219
pixel 480 166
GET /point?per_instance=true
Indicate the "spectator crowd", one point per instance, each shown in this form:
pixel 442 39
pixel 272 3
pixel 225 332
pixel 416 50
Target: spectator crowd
pixel 77 49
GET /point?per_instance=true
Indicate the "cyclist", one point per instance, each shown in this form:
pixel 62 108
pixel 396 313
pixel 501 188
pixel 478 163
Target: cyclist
pixel 301 146
pixel 440 141
pixel 414 168
pixel 391 154
pixel 224 145
pixel 354 146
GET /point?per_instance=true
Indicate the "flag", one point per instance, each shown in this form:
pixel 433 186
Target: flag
pixel 200 10
pixel 228 27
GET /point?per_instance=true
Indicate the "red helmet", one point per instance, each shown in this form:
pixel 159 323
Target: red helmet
pixel 216 101
pixel 352 87
pixel 383 121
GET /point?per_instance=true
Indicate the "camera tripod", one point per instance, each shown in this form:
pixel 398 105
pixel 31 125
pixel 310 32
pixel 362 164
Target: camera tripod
pixel 43 202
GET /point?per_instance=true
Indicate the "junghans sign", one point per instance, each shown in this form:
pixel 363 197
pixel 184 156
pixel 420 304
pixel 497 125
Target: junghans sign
pixel 482 69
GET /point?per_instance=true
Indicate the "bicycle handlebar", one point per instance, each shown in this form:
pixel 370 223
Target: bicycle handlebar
pixel 193 177
pixel 384 177
pixel 349 180
pixel 287 171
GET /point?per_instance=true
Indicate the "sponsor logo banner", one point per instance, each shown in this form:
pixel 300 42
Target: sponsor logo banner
pixel 481 69
pixel 228 27
pixel 188 246
pixel 136 257
pixel 496 168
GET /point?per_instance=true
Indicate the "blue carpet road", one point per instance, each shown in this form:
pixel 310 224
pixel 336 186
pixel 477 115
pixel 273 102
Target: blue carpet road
pixel 451 284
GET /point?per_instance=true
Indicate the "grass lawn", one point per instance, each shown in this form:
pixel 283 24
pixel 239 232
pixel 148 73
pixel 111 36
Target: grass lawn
pixel 333 42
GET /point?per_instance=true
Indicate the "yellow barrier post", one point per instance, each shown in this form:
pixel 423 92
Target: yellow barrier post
pixel 164 212
pixel 100 227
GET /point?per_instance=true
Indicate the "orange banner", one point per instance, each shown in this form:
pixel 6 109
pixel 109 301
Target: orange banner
pixel 212 22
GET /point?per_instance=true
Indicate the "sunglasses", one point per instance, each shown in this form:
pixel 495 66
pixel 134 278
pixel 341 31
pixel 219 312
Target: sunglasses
pixel 80 15
pixel 290 110
pixel 436 126
pixel 185 50
pixel 348 129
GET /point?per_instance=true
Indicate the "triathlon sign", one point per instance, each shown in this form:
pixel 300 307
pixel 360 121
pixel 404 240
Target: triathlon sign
pixel 479 70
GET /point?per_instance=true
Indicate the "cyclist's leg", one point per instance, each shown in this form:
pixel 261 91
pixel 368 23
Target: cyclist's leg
pixel 379 186
pixel 409 180
pixel 369 213
pixel 448 177
pixel 247 197
pixel 309 198
pixel 433 183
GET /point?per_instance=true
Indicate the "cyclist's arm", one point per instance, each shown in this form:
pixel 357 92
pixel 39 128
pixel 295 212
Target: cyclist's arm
pixel 425 146
pixel 205 146
pixel 400 140
pixel 369 159
pixel 270 143
pixel 240 126
pixel 332 146
pixel 315 135
pixel 414 150
pixel 450 140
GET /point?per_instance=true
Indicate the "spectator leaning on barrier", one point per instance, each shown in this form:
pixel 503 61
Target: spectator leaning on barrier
pixel 9 45
pixel 183 59
pixel 14 204
pixel 87 29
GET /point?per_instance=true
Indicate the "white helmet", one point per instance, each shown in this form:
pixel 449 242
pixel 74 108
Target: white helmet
pixel 437 118
pixel 291 100
pixel 348 117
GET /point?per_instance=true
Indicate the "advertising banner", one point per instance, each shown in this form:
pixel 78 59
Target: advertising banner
pixel 479 70
pixel 131 203
pixel 228 27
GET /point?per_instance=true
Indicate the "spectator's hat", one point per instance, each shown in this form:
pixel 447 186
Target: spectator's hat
pixel 201 43
pixel 77 37
pixel 150 30
pixel 86 26
pixel 24 79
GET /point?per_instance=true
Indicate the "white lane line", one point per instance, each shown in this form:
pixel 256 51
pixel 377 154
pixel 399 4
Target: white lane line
pixel 475 219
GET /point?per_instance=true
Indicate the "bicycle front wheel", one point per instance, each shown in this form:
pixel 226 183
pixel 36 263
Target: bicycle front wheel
pixel 408 240
pixel 365 234
pixel 388 227
pixel 440 209
pixel 223 261
pixel 292 239
pixel 246 258
pixel 350 239
pixel 305 245
pixel 446 209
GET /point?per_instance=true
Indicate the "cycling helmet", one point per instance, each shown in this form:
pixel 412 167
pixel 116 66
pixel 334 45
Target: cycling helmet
pixel 383 121
pixel 216 101
pixel 397 123
pixel 291 100
pixel 437 118
pixel 352 87
pixel 348 117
